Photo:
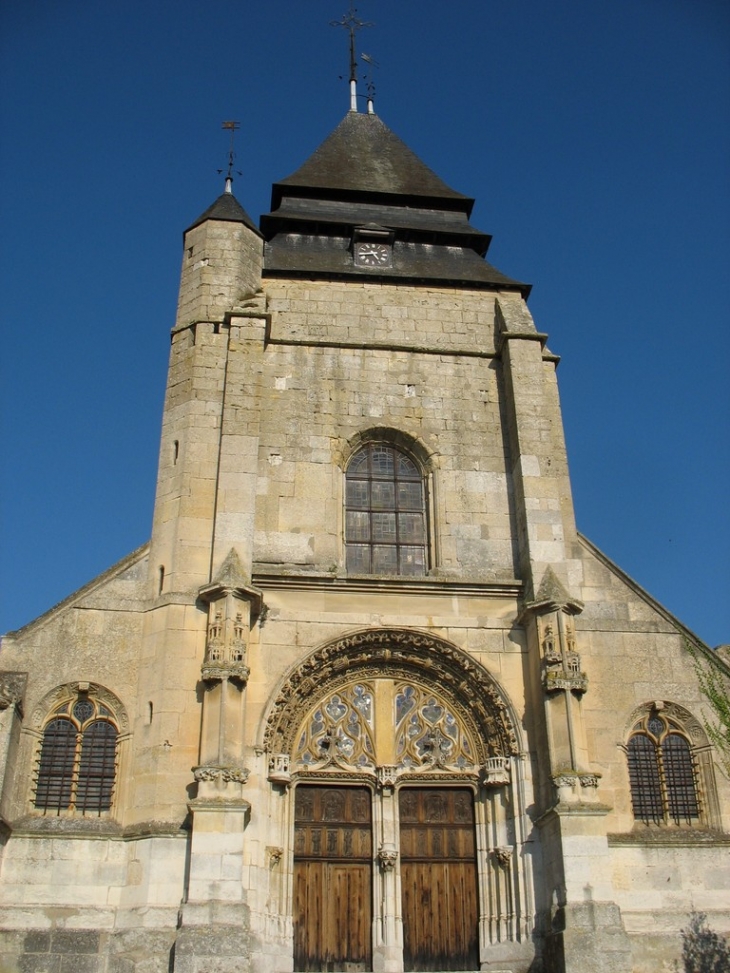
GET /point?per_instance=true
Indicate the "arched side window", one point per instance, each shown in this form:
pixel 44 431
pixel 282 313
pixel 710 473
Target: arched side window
pixel 385 513
pixel 662 772
pixel 77 761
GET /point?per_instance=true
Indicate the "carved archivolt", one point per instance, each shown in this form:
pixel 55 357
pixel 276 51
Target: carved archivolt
pixel 397 654
pixel 70 691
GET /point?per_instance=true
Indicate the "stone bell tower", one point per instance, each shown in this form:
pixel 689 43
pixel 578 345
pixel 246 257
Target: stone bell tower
pixel 367 700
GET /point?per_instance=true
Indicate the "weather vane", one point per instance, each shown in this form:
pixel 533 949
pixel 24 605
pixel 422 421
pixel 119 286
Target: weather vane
pixel 370 81
pixel 352 24
pixel 231 127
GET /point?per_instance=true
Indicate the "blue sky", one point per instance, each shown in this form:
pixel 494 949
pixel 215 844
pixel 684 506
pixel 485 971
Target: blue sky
pixel 595 137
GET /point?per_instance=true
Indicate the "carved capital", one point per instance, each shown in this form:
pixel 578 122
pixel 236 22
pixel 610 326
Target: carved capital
pixel 220 774
pixel 217 672
pixel 589 780
pixel 387 856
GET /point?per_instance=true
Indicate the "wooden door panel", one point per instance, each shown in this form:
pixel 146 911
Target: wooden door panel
pixel 332 879
pixel 439 879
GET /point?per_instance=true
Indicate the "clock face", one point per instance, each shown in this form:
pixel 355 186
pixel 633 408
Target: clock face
pixel 372 254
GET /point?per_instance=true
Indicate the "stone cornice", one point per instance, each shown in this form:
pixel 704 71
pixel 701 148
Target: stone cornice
pixel 397 585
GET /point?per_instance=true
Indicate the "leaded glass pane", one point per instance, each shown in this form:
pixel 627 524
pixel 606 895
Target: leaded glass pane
pixel 383 495
pixel 385 560
pixel 381 459
pixel 358 525
pixel 410 529
pixel 407 468
pixel 410 496
pixel 358 463
pixel 358 558
pixel 357 493
pixel 412 560
pixel 383 527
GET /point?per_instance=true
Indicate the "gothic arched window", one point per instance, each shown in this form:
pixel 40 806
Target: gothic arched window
pixel 385 512
pixel 77 762
pixel 662 773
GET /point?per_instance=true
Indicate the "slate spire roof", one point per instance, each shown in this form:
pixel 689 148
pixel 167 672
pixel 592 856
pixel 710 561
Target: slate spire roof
pixel 227 209
pixel 363 155
pixel 363 182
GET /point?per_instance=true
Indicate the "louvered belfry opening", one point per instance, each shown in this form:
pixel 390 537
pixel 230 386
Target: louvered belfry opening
pixel 76 769
pixel 385 515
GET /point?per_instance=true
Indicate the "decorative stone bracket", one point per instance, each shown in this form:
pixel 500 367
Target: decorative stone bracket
pixel 279 770
pixel 496 772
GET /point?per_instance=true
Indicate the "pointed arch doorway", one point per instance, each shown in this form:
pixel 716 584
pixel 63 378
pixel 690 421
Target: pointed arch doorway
pixel 387 750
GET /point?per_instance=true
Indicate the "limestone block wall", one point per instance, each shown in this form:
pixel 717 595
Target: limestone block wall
pixel 321 389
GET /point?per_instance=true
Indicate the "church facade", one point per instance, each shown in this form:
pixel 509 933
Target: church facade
pixel 367 700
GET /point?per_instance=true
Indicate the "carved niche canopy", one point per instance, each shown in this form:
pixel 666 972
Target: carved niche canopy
pixel 413 658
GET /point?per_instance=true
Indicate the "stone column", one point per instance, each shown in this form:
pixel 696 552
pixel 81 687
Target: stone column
pixel 388 938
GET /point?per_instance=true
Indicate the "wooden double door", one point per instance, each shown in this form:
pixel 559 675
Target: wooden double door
pixel 333 879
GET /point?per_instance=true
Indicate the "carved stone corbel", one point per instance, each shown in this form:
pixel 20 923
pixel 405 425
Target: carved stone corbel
pixel 387 856
pixel 502 856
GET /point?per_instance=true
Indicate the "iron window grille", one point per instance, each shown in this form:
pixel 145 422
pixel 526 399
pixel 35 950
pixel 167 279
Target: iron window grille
pixel 662 773
pixel 77 761
pixel 385 513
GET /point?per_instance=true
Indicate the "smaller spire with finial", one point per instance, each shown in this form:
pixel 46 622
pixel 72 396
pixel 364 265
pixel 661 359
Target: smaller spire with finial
pixel 231 127
pixel 370 82
pixel 352 24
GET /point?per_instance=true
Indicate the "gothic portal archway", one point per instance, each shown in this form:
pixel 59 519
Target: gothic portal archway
pixel 393 740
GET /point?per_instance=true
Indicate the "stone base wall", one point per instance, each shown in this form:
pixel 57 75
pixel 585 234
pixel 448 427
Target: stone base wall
pixel 86 951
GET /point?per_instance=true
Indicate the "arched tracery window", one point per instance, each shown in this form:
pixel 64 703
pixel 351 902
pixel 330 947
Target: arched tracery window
pixel 385 512
pixel 77 760
pixel 662 772
pixel 417 730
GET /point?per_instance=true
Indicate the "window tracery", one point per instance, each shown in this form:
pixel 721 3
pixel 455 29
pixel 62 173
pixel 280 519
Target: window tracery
pixel 425 733
pixel 339 731
pixel 662 771
pixel 428 733
pixel 77 759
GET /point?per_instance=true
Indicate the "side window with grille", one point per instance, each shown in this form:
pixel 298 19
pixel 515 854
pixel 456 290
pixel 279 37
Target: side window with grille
pixel 662 772
pixel 385 513
pixel 77 761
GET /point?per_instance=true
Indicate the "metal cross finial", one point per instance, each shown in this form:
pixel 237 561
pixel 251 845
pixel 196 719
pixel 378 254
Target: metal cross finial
pixel 352 23
pixel 231 127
